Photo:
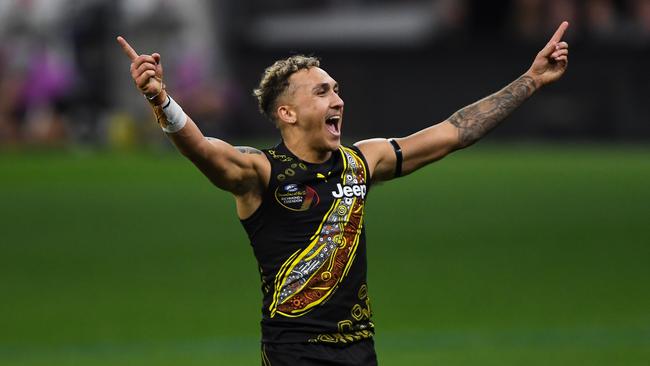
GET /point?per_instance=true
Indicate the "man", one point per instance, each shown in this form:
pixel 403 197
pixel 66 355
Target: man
pixel 302 202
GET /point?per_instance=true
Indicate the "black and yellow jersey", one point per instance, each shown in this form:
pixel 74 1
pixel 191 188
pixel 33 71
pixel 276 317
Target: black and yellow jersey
pixel 308 237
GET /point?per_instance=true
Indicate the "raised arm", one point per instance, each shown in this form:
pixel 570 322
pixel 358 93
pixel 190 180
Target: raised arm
pixel 471 123
pixel 242 171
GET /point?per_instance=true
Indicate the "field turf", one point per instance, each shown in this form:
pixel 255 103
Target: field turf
pixel 516 255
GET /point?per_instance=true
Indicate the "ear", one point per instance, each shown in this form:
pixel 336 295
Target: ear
pixel 286 114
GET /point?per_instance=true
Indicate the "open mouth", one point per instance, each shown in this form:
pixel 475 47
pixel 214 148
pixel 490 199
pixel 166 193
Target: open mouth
pixel 333 124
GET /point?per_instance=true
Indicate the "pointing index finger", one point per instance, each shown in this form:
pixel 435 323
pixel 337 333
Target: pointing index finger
pixel 126 47
pixel 557 36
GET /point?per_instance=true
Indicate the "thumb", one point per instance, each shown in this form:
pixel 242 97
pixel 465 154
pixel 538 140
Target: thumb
pixel 156 57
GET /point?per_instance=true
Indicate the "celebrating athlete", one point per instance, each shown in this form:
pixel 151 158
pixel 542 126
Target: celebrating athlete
pixel 302 202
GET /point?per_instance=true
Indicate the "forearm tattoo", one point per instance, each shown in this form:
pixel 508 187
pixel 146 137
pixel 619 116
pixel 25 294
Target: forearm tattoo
pixel 476 120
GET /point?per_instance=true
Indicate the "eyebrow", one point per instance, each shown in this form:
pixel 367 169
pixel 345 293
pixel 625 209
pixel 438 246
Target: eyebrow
pixel 324 87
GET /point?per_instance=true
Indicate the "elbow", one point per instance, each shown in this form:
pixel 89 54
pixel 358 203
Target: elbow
pixel 188 153
pixel 463 144
pixel 462 138
pixel 452 141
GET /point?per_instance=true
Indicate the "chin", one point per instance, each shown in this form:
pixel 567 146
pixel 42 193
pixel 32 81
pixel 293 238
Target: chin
pixel 334 144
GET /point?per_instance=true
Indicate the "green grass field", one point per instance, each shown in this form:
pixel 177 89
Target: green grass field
pixel 518 255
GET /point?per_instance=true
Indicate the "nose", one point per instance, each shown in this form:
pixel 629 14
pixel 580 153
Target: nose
pixel 337 102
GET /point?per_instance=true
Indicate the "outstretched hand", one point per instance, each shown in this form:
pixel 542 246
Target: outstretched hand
pixel 552 61
pixel 146 70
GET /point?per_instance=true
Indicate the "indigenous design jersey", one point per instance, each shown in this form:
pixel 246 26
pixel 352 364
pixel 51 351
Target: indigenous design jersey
pixel 309 241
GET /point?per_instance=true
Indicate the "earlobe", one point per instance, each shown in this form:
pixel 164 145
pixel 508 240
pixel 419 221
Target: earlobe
pixel 286 114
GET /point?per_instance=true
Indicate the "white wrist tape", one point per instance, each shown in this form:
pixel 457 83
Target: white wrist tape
pixel 176 118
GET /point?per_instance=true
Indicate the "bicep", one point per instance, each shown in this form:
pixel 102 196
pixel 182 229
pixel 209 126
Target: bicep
pixel 428 145
pixel 380 156
pixel 224 165
pixel 418 150
pixel 237 169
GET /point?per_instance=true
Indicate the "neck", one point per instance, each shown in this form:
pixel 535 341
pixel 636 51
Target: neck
pixel 305 152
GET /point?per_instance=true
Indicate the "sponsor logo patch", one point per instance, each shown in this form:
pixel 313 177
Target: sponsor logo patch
pixel 296 196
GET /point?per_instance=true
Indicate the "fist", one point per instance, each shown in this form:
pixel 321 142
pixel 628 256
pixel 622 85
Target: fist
pixel 147 73
pixel 146 70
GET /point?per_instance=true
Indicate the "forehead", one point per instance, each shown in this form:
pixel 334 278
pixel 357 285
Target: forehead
pixel 308 78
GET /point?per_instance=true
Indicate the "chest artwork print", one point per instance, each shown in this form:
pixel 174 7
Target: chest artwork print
pixel 311 275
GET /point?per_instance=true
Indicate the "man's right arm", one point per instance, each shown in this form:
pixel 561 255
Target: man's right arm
pixel 230 168
pixel 239 171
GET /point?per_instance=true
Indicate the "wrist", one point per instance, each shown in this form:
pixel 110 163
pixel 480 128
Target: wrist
pixel 158 99
pixel 170 115
pixel 537 81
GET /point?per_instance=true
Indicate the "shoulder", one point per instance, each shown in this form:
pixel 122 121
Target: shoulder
pixel 257 157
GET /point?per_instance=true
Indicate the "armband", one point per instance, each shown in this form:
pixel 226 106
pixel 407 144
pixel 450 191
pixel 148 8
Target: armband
pixel 398 156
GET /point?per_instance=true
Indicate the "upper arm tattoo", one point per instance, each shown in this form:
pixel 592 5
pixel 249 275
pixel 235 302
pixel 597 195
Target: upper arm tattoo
pixel 476 120
pixel 241 149
pixel 248 150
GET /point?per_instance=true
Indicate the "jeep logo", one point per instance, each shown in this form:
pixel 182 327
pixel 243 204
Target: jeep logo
pixel 358 190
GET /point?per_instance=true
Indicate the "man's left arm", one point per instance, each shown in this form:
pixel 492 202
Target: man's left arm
pixel 470 123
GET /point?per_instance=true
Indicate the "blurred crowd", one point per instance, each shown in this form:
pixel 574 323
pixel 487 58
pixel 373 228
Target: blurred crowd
pixel 63 79
pixel 626 21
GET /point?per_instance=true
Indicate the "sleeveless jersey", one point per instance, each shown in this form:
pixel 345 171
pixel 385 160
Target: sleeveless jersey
pixel 308 237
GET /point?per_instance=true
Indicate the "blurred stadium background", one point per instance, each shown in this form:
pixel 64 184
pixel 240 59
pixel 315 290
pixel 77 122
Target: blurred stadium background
pixel 530 248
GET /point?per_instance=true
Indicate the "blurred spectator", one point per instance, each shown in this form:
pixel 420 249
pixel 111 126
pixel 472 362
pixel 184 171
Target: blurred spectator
pixel 601 20
pixel 453 14
pixel 560 10
pixel 640 16
pixel 9 90
pixel 37 76
pixel 527 16
pixel 91 29
pixel 201 73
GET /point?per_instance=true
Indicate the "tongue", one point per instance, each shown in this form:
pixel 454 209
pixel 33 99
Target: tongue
pixel 332 128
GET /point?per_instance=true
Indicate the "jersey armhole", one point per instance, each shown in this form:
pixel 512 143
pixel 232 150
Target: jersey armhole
pixel 265 192
pixel 365 165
